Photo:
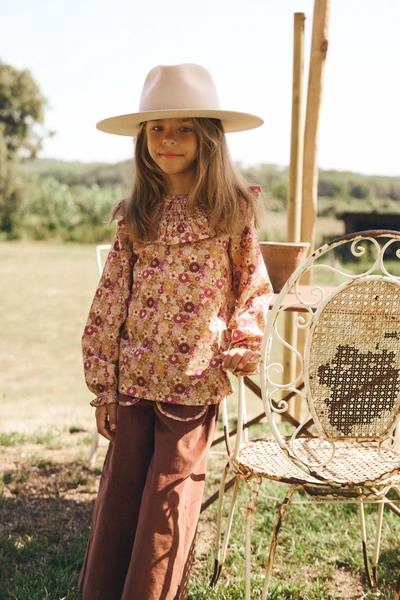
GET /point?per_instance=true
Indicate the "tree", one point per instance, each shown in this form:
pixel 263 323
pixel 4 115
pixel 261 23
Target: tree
pixel 21 133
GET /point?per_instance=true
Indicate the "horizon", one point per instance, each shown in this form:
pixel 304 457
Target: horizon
pixel 237 162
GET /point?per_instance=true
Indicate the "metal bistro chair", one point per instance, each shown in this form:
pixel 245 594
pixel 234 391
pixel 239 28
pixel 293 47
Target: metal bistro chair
pixel 95 440
pixel 348 381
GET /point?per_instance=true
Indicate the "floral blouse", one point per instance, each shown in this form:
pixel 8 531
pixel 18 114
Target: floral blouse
pixel 166 309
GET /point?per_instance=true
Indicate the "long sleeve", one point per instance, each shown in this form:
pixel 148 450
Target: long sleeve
pixel 101 337
pixel 252 290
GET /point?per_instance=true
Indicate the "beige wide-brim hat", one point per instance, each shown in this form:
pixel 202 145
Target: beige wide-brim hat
pixel 178 91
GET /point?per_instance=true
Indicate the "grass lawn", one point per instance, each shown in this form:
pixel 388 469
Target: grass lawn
pixel 47 489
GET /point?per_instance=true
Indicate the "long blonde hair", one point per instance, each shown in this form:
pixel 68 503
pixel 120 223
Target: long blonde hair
pixel 217 186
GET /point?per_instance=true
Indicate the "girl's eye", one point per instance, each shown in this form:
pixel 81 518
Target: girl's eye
pixel 186 129
pixel 157 128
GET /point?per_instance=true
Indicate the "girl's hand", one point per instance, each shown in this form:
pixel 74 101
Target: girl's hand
pixel 240 359
pixel 106 420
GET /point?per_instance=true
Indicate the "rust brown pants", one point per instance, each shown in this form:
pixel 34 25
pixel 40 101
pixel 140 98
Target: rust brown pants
pixel 145 516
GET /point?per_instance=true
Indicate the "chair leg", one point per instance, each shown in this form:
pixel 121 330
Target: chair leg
pixel 370 580
pixel 249 514
pixel 220 552
pixel 274 539
pixel 375 560
pixel 93 449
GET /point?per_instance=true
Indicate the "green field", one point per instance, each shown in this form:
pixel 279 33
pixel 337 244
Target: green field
pixel 47 489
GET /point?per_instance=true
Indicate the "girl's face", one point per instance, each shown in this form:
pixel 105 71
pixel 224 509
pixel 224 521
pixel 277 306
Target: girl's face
pixel 173 145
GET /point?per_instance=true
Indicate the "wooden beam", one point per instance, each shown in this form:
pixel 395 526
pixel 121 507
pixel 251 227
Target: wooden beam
pixel 297 134
pixel 319 48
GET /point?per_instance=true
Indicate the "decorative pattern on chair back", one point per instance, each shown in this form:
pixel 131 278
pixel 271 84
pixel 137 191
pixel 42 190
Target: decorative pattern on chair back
pixel 354 360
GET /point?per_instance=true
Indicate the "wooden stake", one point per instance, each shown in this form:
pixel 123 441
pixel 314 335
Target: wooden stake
pixel 297 137
pixel 295 187
pixel 319 48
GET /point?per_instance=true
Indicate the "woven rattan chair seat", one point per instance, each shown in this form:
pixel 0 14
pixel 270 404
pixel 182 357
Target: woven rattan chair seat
pixel 354 464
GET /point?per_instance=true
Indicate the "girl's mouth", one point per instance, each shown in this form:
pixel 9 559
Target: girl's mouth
pixel 170 156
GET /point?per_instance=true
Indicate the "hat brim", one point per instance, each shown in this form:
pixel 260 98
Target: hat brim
pixel 129 124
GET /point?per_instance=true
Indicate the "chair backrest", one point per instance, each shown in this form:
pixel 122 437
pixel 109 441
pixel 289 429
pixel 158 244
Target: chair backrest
pixel 98 255
pixel 348 374
pixel 352 361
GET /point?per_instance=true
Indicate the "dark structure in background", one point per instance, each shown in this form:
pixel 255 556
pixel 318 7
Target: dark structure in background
pixel 363 221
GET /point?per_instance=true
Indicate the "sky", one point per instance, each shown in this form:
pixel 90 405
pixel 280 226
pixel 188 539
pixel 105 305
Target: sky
pixel 90 59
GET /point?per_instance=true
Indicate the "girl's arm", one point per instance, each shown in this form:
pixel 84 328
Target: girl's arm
pixel 253 291
pixel 101 337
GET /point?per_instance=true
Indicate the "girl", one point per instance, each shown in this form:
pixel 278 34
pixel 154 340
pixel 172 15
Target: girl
pixel 181 301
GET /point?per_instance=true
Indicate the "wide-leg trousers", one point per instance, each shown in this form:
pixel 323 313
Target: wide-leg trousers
pixel 146 513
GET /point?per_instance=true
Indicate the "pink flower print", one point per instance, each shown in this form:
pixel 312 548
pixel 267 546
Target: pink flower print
pixel 180 389
pixel 214 362
pixel 107 283
pixel 100 388
pixel 251 268
pixel 141 381
pixel 131 391
pixel 237 335
pixel 199 372
pixel 87 365
pixel 178 318
pixel 143 313
pixel 174 359
pixel 150 302
pixel 90 330
pixel 154 263
pixel 125 360
pixel 184 278
pixel 208 293
pixel 98 321
pixel 184 348
pixel 189 307
pixel 116 245
pixel 220 283
pixel 194 267
pixel 99 293
pixel 181 228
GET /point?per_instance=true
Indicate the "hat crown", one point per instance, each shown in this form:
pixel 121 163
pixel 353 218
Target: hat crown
pixel 179 87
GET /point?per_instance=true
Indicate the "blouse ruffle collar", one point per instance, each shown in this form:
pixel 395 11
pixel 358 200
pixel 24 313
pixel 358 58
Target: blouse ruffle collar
pixel 178 225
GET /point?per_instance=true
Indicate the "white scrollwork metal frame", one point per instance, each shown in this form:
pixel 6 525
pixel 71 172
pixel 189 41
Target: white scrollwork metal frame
pixel 305 321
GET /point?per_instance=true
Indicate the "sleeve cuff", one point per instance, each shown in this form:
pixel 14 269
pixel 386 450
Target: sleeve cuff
pixel 105 398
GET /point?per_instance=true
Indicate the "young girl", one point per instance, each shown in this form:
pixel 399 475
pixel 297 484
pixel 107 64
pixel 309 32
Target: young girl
pixel 181 301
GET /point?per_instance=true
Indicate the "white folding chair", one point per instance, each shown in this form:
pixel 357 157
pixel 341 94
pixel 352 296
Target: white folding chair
pixel 95 440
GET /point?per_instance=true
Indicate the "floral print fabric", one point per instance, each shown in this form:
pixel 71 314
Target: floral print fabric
pixel 166 309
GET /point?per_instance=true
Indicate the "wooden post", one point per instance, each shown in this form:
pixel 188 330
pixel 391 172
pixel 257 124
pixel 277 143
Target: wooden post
pixel 295 186
pixel 319 48
pixel 296 139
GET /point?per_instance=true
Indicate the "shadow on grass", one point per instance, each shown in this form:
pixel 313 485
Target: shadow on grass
pixel 42 544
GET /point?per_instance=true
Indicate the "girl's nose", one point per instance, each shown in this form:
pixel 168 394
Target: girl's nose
pixel 169 137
